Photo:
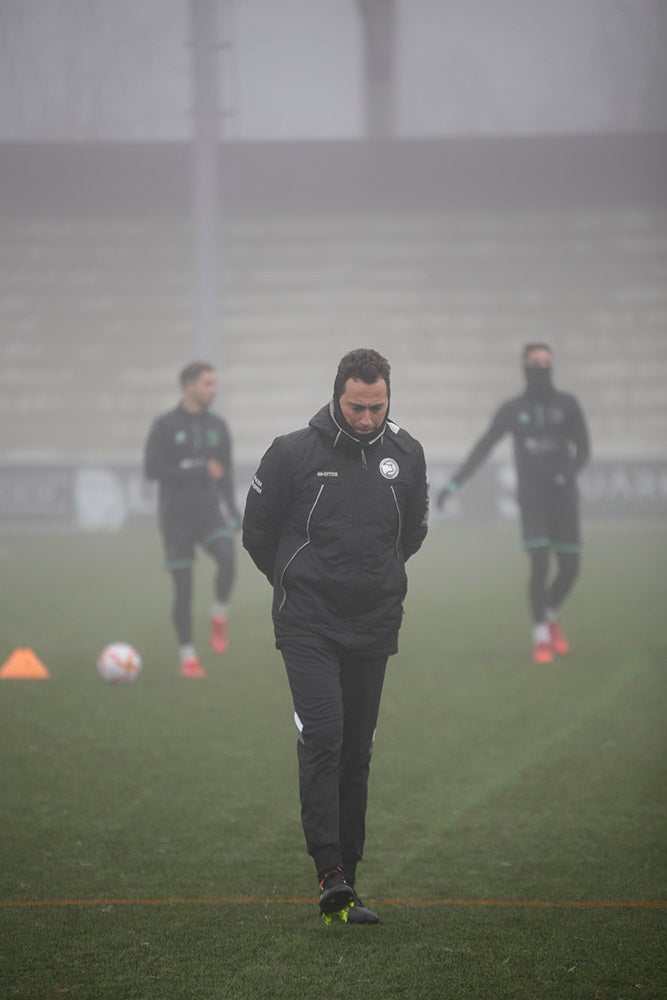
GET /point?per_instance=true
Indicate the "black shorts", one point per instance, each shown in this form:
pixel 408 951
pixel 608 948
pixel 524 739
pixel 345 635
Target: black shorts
pixel 181 532
pixel 550 516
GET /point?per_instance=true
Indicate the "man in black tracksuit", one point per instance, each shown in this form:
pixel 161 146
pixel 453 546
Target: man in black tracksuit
pixel 188 451
pixel 332 515
pixel 550 448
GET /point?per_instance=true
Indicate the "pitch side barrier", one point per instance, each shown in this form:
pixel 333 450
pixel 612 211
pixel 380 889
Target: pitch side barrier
pixel 107 497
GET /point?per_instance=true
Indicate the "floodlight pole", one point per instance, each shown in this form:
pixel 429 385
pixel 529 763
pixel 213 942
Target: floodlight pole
pixel 206 180
pixel 378 21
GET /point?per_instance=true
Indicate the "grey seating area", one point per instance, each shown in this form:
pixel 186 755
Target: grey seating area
pixel 447 260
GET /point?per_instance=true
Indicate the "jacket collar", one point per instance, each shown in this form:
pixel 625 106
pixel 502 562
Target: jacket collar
pixel 390 432
pixel 325 420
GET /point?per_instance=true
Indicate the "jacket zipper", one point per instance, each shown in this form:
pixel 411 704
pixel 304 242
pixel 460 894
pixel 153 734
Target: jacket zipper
pixel 398 533
pixel 303 546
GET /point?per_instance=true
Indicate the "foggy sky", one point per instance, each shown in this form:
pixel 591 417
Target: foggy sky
pixel 119 69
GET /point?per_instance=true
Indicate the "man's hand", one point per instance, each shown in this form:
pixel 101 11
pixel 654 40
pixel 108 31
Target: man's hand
pixel 444 494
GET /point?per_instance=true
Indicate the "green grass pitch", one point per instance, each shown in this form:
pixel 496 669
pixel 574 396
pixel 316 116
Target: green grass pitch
pixel 157 825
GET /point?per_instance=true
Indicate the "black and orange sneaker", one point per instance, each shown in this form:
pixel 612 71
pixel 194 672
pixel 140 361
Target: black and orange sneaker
pixel 336 896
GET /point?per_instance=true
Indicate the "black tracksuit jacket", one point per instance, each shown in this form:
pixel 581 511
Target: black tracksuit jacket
pixel 550 440
pixel 176 452
pixel 331 520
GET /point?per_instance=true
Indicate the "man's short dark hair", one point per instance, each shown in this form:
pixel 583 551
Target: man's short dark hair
pixel 537 347
pixel 363 363
pixel 192 371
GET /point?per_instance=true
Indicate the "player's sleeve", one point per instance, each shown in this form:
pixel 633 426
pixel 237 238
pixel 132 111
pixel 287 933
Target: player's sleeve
pixel 580 437
pixel 415 521
pixel 265 510
pixel 482 448
pixel 154 462
pixel 226 484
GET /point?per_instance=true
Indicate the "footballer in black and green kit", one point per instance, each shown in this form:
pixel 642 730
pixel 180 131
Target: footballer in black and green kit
pixel 551 446
pixel 189 453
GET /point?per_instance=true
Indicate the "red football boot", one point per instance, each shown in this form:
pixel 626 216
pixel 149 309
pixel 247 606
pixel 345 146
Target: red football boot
pixel 219 636
pixel 559 643
pixel 192 668
pixel 542 652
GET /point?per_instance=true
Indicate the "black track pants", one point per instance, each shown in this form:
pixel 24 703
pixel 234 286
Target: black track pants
pixel 543 595
pixel 336 697
pixel 222 550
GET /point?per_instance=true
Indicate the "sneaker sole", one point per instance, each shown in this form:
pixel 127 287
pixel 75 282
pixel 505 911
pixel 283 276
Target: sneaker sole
pixel 337 900
pixel 342 915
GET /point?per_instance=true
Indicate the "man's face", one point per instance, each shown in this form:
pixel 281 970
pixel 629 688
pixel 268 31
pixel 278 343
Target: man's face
pixel 539 357
pixel 201 393
pixel 364 405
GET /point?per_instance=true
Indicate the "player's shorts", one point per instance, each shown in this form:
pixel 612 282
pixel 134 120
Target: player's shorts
pixel 181 535
pixel 550 517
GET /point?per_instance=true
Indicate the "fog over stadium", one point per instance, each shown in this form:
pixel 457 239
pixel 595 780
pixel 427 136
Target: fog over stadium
pixel 294 69
pixel 269 184
pixel 266 185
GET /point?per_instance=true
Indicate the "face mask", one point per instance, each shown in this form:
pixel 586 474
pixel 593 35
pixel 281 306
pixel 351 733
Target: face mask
pixel 538 379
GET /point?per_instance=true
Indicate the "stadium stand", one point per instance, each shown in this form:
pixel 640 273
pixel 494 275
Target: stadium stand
pixel 445 256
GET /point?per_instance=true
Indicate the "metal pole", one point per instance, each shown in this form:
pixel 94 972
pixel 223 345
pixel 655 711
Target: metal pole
pixel 378 19
pixel 206 192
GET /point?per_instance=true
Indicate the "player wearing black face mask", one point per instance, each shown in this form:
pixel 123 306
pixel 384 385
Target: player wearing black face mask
pixel 538 380
pixel 550 447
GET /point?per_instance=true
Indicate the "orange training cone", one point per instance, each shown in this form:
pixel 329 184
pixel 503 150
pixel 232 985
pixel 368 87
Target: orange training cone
pixel 23 664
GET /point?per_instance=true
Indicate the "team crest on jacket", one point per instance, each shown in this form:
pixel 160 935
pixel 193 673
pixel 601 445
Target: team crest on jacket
pixel 389 468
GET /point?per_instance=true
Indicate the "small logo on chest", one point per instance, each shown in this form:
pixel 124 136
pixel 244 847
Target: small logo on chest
pixel 389 468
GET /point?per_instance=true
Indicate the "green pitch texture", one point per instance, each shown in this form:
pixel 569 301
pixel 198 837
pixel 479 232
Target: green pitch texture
pixel 499 790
